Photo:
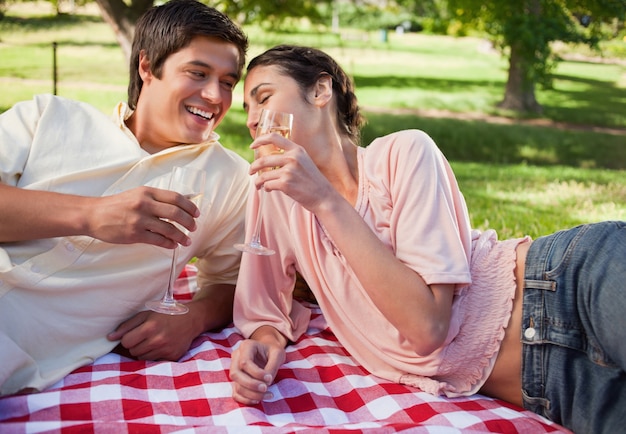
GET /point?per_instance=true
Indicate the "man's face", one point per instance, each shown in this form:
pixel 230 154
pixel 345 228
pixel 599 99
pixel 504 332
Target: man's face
pixel 190 99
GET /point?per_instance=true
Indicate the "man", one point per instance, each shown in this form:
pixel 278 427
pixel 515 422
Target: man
pixel 85 232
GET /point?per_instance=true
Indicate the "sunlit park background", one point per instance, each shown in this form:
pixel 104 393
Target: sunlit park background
pixel 523 173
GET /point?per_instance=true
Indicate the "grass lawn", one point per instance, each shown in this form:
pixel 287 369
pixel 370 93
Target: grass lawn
pixel 518 177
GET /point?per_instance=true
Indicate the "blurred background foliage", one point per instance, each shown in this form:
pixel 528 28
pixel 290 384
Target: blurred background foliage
pixel 524 31
pixel 416 64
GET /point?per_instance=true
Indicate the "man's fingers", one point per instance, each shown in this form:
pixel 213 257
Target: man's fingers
pixel 127 326
pixel 164 234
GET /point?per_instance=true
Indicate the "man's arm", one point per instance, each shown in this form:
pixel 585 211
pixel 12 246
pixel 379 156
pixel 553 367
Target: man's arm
pixel 134 216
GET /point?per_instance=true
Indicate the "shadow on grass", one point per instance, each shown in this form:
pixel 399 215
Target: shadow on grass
pixel 598 103
pixel 462 140
pixel 415 82
pixel 51 23
pixel 46 22
pixel 61 43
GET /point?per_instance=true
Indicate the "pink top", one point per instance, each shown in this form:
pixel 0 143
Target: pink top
pixel 409 197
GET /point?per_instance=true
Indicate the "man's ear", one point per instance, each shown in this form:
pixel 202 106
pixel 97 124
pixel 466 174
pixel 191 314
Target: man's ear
pixel 145 72
pixel 323 90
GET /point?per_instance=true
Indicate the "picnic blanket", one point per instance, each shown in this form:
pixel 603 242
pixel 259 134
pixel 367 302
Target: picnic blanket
pixel 320 389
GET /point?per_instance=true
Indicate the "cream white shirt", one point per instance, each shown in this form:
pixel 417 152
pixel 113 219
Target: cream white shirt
pixel 59 297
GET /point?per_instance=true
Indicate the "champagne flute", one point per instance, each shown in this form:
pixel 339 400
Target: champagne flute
pixel 270 122
pixel 189 182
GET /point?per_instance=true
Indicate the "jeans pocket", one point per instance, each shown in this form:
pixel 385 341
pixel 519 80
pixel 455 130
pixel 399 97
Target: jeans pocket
pixel 536 404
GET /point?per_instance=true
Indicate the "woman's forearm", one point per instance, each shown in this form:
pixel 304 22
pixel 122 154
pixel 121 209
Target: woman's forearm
pixel 420 312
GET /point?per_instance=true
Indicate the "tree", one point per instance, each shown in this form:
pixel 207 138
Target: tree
pixel 525 28
pixel 122 15
pixel 270 13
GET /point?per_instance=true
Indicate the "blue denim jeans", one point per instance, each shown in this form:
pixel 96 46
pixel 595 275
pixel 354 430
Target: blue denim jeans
pixel 574 328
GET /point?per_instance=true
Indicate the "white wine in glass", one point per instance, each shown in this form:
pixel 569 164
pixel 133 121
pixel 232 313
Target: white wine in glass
pixel 189 182
pixel 270 121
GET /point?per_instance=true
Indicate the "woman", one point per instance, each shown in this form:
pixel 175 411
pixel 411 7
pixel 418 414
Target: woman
pixel 382 236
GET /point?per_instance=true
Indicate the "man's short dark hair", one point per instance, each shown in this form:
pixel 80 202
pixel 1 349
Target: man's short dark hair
pixel 166 29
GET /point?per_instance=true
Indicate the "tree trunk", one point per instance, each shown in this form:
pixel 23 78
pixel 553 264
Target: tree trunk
pixel 520 89
pixel 520 86
pixel 122 19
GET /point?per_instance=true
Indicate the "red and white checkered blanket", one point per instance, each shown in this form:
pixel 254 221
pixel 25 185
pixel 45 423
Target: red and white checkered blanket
pixel 319 389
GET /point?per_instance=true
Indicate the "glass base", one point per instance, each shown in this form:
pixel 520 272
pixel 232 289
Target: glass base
pixel 256 248
pixel 174 308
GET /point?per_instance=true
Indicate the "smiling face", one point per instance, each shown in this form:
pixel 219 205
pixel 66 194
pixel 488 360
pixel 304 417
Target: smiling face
pixel 266 88
pixel 190 98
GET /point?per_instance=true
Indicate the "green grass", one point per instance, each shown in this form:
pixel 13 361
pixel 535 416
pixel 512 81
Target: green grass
pixel 517 178
pixel 471 140
pixel 90 63
pixel 528 200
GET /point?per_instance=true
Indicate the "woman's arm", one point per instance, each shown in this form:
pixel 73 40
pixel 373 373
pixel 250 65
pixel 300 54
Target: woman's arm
pixel 419 311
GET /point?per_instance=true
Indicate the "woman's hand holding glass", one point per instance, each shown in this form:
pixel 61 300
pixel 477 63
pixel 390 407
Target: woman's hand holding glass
pixel 269 122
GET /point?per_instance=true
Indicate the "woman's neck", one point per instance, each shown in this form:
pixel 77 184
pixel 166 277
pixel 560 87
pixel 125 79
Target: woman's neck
pixel 340 167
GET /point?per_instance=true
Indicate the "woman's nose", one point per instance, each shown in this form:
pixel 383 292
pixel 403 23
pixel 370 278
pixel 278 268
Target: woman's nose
pixel 252 122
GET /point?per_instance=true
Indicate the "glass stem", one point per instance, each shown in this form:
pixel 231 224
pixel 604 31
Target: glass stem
pixel 256 237
pixel 168 298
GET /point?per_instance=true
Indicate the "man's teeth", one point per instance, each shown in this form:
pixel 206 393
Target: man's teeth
pixel 197 111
